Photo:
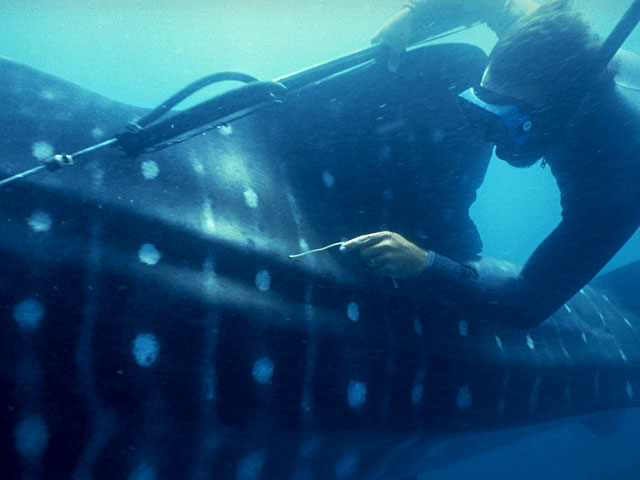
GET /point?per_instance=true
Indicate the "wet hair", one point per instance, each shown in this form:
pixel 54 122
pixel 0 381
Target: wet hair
pixel 554 51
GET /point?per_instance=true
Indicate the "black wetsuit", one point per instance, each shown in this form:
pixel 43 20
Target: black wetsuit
pixel 599 182
pixel 600 194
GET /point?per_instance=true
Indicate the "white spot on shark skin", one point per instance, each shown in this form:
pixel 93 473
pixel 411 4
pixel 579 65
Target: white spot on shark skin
pixel 583 292
pixel 629 391
pixel 499 343
pixel 464 399
pixel 567 307
pixel 304 246
pixel 210 280
pixel 463 328
pixel 143 472
pixel 263 281
pixel 28 314
pixel 208 222
pixel 417 326
pixel 565 351
pixel 97 133
pixel 328 180
pixel 353 312
pixel 97 176
pixel 305 405
pixel 149 254
pixel 197 166
pixel 250 467
pixel 623 356
pixel 356 394
pixel 251 198
pixel 233 169
pixel 150 169
pixel 602 319
pixel 530 343
pixel 225 130
pixel 42 150
pixel 584 337
pixel 346 466
pixel 533 398
pixel 386 152
pixel 48 94
pixel 606 299
pixel 31 437
pixel 263 370
pixel 417 394
pixel 40 221
pixel 145 349
pixel 626 320
pixel 209 387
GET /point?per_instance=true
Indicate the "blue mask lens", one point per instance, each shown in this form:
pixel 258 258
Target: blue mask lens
pixel 501 120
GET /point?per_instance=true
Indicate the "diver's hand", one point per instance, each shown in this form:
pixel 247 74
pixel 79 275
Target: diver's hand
pixel 396 33
pixel 389 254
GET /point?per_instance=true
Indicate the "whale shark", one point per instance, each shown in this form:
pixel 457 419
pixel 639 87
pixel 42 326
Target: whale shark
pixel 156 328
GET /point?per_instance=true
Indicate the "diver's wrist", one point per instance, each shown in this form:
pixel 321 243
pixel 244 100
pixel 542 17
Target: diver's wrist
pixel 429 260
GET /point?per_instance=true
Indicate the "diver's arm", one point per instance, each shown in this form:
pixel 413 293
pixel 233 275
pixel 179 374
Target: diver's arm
pixel 420 19
pixel 565 261
pixel 436 16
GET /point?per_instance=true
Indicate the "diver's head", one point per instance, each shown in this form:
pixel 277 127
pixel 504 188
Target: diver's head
pixel 546 66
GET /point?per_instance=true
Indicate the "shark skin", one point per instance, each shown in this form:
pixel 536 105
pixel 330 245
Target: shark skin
pixel 155 328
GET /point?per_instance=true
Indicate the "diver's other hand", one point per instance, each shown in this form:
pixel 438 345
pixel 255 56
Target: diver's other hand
pixel 389 254
pixel 396 33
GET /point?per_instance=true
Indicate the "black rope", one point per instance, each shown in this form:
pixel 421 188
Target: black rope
pixel 189 90
pixel 184 124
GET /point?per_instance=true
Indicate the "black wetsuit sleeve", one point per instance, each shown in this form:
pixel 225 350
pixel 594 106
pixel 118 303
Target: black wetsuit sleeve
pixel 565 261
pixel 437 16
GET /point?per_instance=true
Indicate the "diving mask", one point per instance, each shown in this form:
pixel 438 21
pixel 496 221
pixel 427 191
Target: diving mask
pixel 503 119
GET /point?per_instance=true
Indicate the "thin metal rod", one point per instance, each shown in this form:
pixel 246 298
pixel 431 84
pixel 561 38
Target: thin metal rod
pixel 39 168
pixel 22 175
pixel 93 148
pixel 326 69
pixel 317 250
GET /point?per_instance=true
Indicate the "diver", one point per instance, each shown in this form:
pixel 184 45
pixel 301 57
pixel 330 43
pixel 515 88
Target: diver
pixel 545 94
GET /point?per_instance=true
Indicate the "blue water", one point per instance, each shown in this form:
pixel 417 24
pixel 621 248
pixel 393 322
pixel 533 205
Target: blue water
pixel 141 52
